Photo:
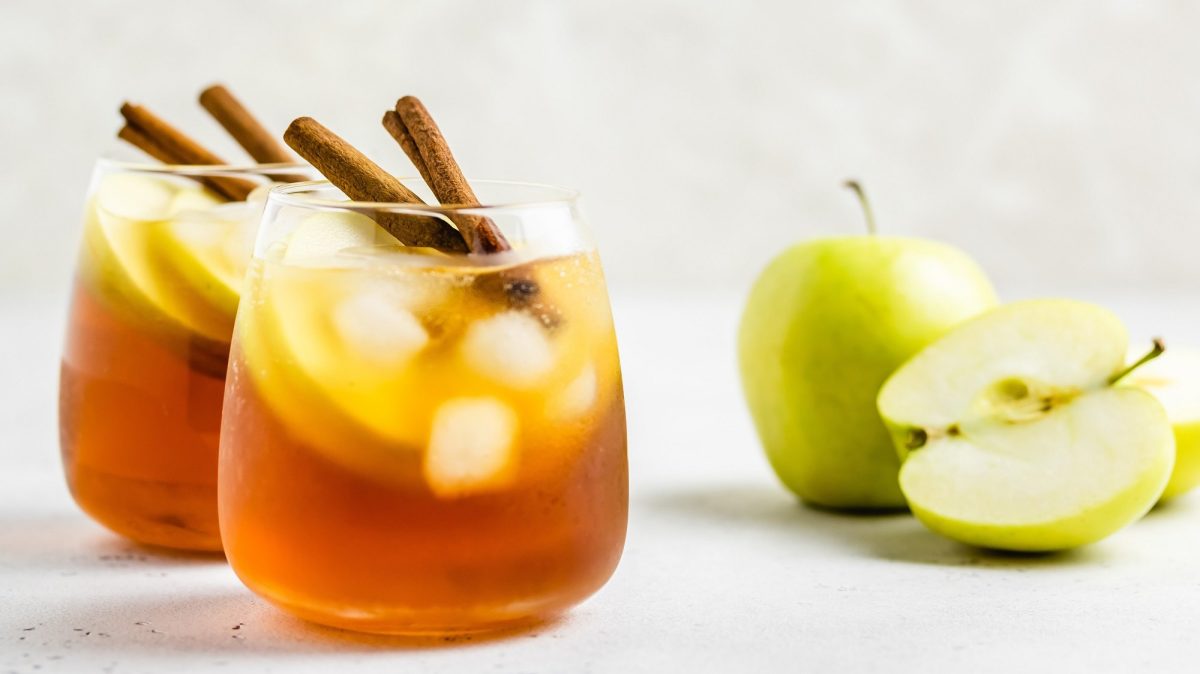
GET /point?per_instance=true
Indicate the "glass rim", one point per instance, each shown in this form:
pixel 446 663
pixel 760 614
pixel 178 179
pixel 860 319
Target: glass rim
pixel 214 170
pixel 300 194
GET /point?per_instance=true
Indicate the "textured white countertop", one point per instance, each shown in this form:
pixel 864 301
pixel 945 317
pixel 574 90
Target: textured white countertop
pixel 722 570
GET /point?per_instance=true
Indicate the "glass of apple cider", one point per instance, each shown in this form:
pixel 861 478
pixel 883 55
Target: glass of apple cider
pixel 419 442
pixel 156 289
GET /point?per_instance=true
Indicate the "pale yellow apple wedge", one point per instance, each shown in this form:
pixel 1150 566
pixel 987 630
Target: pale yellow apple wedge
pixel 169 248
pixel 1174 378
pixel 209 244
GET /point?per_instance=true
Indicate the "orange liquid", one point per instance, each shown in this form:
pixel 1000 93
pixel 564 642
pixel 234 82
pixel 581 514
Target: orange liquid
pixel 139 424
pixel 335 546
pixel 355 493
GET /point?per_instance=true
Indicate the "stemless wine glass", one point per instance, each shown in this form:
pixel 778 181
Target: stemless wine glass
pixel 416 442
pixel 155 294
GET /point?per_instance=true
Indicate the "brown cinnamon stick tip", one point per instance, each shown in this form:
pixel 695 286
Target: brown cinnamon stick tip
pixel 301 125
pixel 214 92
pixel 132 113
pixel 156 137
pixel 411 103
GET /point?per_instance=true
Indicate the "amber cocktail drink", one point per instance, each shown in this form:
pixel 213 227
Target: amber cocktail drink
pixel 165 249
pixel 155 294
pixel 416 441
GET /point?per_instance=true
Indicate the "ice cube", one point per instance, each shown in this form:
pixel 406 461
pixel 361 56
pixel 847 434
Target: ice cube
pixel 193 199
pixel 470 446
pixel 375 325
pixel 511 348
pixel 578 396
pixel 136 197
pixel 322 235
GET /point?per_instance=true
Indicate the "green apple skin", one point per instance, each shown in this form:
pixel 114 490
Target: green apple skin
pixel 825 324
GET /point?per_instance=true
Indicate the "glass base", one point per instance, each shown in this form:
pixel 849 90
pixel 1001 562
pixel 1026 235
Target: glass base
pixel 176 516
pixel 422 623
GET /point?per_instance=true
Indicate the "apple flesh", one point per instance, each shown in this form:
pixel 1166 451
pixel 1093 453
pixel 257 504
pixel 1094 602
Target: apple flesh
pixel 1013 436
pixel 171 249
pixel 1174 378
pixel 825 325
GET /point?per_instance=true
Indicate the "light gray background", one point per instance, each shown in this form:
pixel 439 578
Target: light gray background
pixel 1057 142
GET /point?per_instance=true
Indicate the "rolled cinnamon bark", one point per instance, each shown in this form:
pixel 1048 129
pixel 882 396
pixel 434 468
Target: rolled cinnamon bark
pixel 167 144
pixel 419 136
pixel 262 145
pixel 245 129
pixel 363 180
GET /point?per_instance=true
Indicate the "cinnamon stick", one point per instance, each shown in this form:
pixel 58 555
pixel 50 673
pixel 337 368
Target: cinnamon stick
pixel 418 135
pixel 145 143
pixel 363 180
pixel 255 139
pixel 245 129
pixel 395 127
pixel 166 143
pixel 413 127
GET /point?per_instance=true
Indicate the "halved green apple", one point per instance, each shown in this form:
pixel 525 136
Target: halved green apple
pixel 1013 436
pixel 1174 378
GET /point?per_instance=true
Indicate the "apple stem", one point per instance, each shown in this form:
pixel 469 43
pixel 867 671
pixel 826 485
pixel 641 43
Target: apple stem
pixel 1155 352
pixel 866 204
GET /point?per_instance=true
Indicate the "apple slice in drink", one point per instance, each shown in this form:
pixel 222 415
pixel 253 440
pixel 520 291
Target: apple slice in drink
pixel 125 237
pixel 1013 436
pixel 172 246
pixel 1174 378
pixel 117 238
pixel 209 244
pixel 346 333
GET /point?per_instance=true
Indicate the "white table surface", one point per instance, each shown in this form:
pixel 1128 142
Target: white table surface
pixel 723 571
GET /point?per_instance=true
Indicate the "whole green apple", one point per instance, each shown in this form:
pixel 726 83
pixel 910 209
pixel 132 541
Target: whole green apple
pixel 825 325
